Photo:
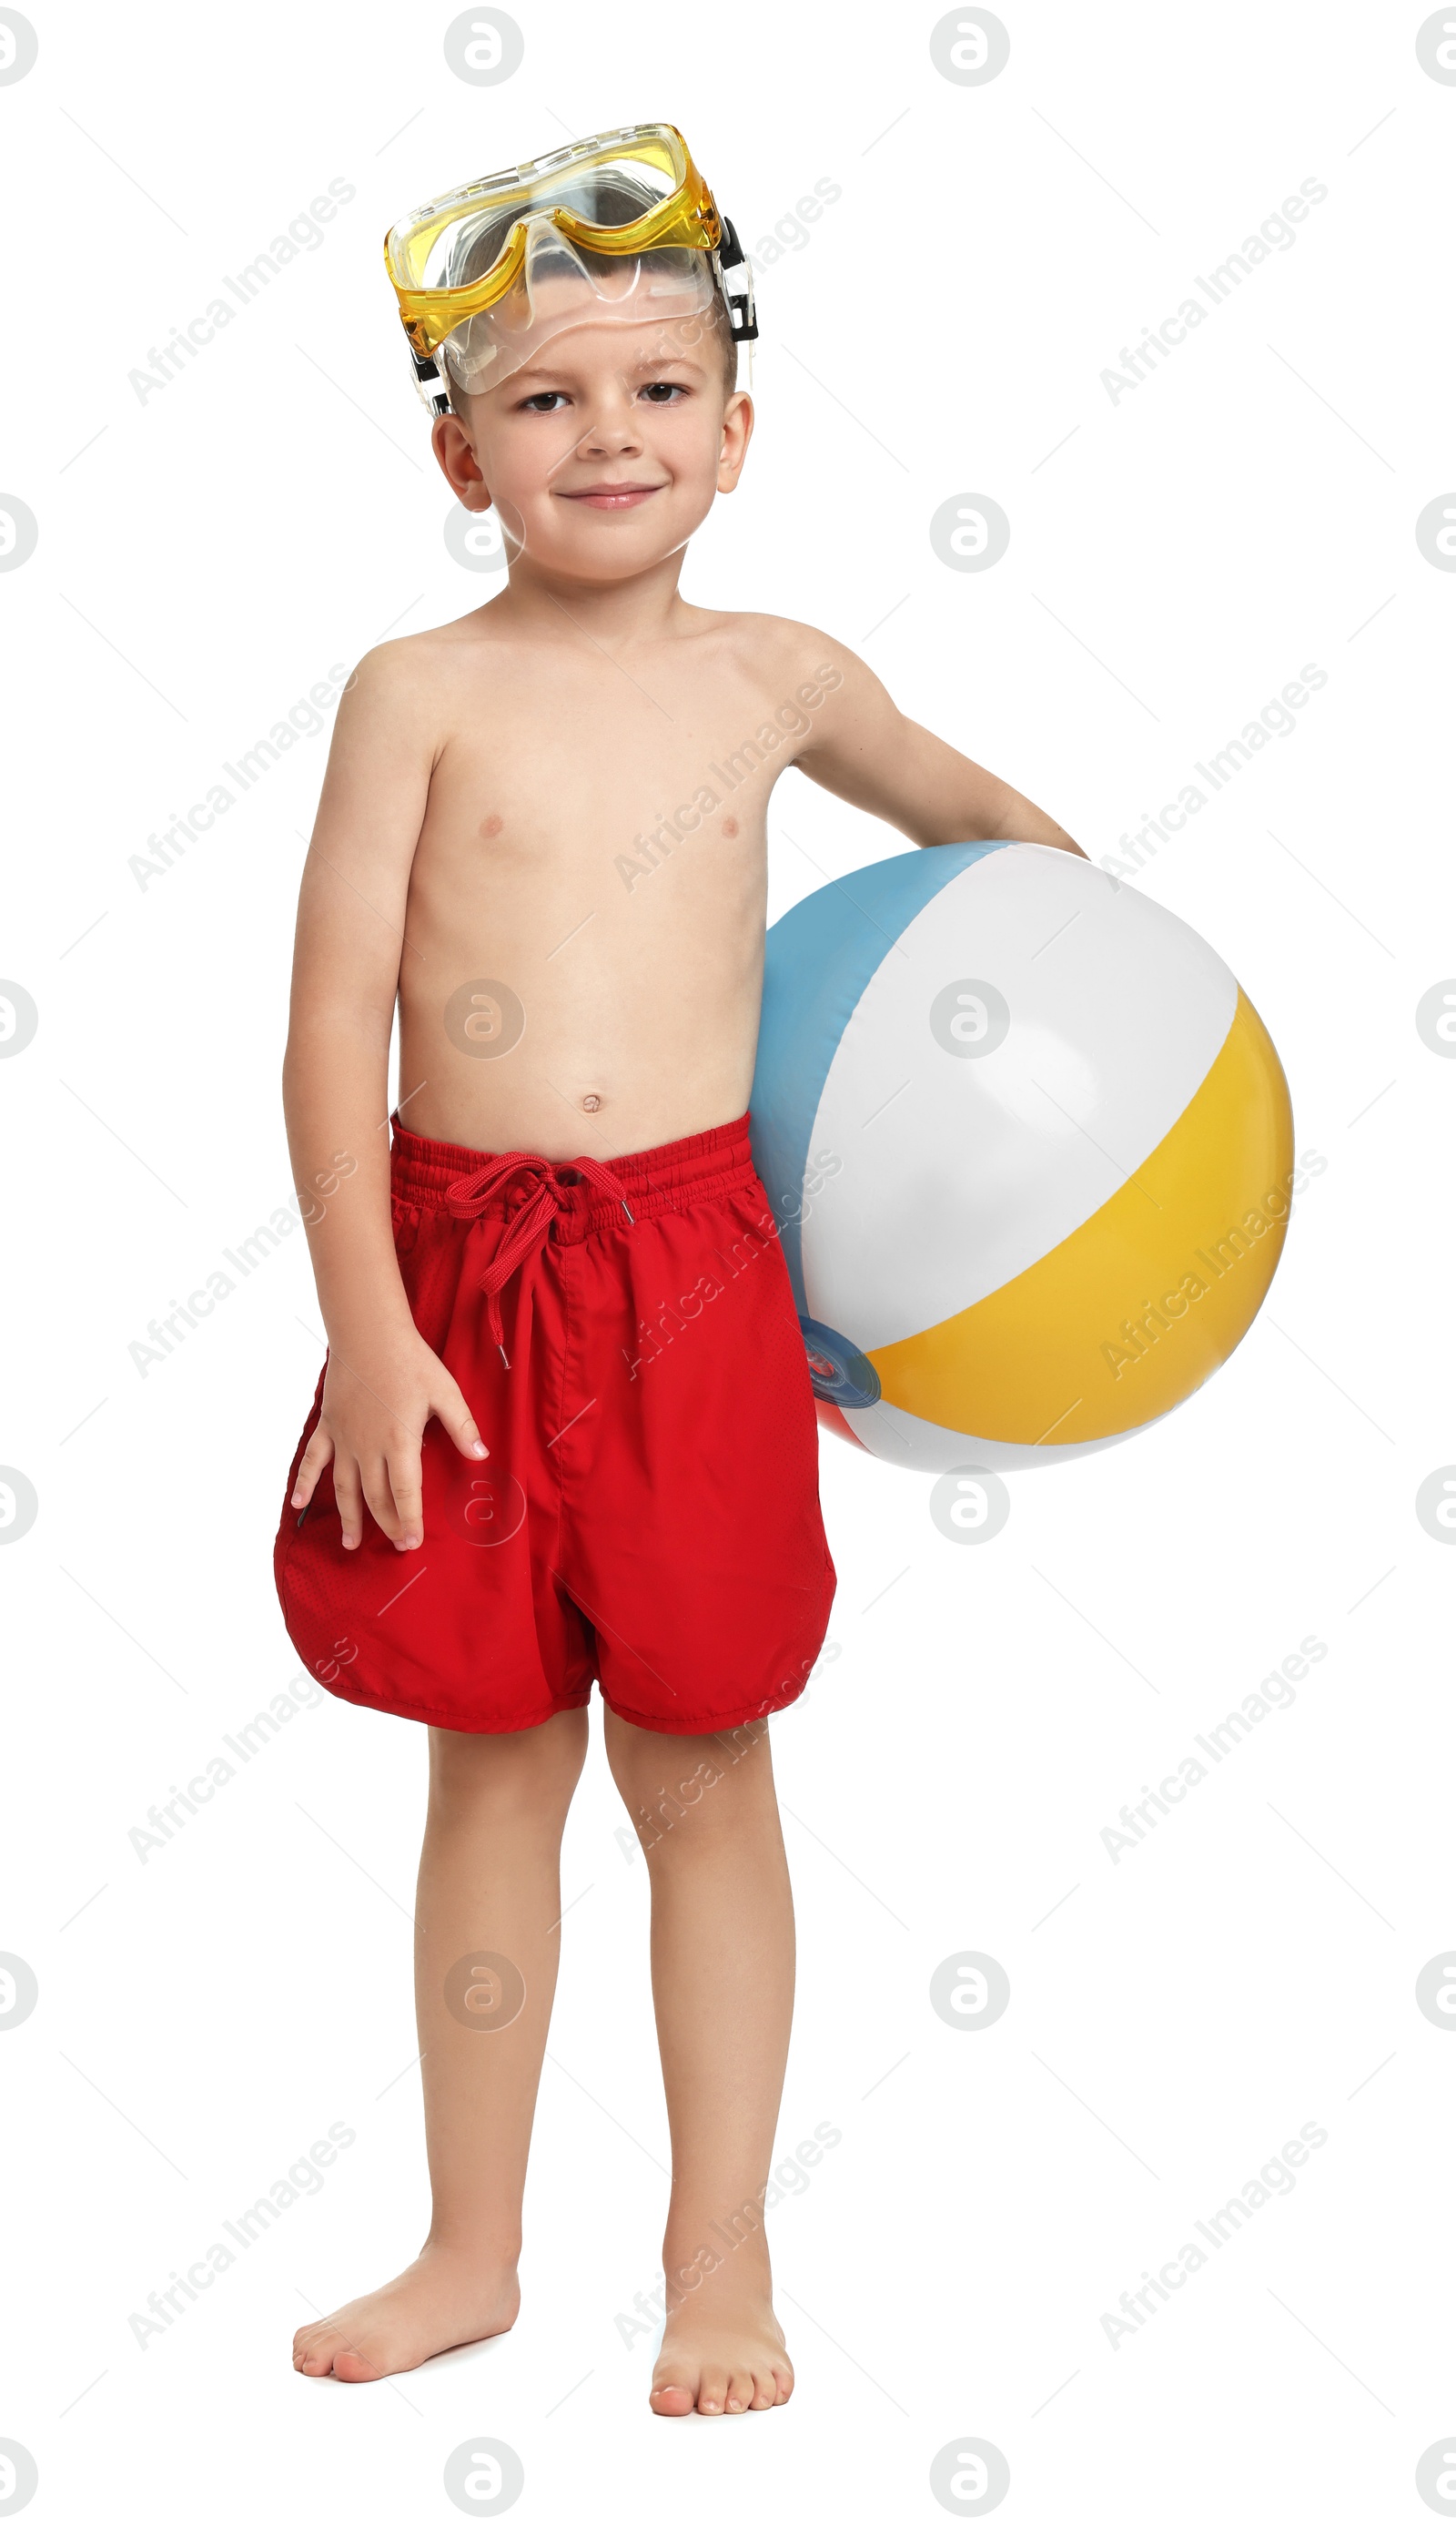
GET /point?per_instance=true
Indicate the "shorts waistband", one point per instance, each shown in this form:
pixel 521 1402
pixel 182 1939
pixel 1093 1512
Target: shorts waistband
pixel 720 1160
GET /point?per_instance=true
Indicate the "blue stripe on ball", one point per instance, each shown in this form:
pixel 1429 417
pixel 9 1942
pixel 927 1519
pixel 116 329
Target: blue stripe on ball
pixel 818 963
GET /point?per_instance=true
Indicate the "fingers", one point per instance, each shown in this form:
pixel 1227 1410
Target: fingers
pixel 316 1456
pixel 349 1494
pixel 380 1477
pixel 451 1408
pixel 402 1474
pixel 351 1487
pixel 391 1492
pixel 376 1465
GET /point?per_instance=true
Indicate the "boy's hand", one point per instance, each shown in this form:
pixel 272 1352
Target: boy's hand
pixel 369 1429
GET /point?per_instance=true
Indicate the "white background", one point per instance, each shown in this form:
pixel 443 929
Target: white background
pixel 1175 556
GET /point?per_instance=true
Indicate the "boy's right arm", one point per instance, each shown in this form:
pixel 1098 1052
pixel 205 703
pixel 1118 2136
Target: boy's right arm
pixel 383 1381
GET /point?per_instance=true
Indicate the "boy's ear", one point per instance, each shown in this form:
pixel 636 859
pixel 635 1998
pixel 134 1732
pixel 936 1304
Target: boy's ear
pixel 456 459
pixel 738 429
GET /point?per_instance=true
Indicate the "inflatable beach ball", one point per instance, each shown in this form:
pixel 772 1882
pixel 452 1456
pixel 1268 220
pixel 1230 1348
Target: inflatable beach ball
pixel 1030 1149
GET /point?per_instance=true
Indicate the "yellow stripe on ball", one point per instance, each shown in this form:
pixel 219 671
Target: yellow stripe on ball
pixel 1146 1299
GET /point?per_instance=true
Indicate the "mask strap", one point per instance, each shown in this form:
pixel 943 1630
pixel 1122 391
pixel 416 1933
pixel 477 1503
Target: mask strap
pixel 430 383
pixel 731 257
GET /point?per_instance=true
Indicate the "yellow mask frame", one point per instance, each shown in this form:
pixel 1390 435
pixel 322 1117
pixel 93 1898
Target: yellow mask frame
pixel 686 215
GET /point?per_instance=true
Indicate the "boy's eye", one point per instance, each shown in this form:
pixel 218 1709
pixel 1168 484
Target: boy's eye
pixel 548 400
pixel 662 391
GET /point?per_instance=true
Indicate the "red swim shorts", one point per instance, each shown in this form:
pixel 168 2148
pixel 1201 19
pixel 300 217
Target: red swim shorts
pixel 648 1513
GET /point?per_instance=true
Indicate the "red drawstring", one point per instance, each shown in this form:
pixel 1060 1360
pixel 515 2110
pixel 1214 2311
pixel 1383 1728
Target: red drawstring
pixel 469 1195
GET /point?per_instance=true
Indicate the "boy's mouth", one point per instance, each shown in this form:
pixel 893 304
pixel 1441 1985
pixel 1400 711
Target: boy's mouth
pixel 615 496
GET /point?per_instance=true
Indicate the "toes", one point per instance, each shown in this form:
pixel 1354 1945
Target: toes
pixel 721 2388
pixel 313 2349
pixel 354 2369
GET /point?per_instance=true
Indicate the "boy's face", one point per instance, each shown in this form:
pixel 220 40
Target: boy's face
pixel 605 452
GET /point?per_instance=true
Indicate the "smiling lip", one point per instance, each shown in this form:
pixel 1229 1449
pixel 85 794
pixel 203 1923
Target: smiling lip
pixel 615 496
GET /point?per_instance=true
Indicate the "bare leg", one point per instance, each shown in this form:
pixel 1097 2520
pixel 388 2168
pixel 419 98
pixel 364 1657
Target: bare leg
pixel 723 1974
pixel 489 1881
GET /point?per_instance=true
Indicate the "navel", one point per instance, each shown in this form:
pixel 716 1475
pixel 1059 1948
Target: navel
pixel 591 1104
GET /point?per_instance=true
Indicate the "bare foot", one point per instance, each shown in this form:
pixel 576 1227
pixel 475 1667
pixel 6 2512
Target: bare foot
pixel 447 2296
pixel 722 2354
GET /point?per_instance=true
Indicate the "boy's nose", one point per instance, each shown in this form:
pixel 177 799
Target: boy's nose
pixel 611 427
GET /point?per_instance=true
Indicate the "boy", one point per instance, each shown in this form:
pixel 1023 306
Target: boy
pixel 507 1486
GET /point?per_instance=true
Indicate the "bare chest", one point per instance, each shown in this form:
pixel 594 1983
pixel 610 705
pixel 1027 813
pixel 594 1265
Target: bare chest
pixel 587 787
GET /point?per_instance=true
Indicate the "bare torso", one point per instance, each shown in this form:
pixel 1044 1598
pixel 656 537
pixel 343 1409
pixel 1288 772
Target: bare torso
pixel 582 960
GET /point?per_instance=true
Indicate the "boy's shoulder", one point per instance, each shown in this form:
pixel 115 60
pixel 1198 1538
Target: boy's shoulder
pixel 414 655
pixel 419 667
pixel 778 631
pixel 776 644
pixel 413 684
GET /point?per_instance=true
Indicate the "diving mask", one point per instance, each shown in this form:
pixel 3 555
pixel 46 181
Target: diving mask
pixel 618 228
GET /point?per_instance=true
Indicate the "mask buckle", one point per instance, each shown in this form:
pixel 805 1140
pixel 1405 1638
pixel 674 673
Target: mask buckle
pixel 430 385
pixel 731 257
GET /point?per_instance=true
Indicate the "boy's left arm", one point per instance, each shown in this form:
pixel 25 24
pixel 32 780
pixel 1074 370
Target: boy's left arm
pixel 867 752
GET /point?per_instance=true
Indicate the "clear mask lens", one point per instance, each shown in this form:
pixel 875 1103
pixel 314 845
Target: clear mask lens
pixel 563 286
